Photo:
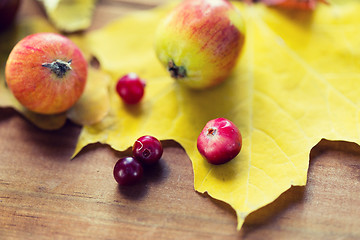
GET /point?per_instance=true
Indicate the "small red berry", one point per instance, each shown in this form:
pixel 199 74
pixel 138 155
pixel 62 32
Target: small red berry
pixel 128 171
pixel 130 88
pixel 147 149
pixel 219 141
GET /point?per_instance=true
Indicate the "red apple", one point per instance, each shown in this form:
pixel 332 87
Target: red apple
pixel 8 10
pixel 46 72
pixel 199 42
pixel 220 141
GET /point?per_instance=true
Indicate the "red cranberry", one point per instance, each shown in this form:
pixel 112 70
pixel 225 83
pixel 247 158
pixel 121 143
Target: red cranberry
pixel 219 141
pixel 128 171
pixel 147 149
pixel 130 88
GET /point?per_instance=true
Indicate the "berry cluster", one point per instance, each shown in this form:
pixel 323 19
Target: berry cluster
pixel 219 142
pixel 147 150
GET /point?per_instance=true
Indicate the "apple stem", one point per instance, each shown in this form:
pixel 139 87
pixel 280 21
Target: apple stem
pixel 176 71
pixel 59 67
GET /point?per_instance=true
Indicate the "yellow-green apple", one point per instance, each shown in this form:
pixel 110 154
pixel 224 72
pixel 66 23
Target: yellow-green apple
pixel 199 42
pixel 46 72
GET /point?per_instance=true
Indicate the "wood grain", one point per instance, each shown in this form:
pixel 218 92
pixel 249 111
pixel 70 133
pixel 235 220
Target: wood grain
pixel 45 195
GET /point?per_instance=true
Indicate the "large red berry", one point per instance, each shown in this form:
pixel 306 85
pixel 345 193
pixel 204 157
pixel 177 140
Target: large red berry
pixel 128 171
pixel 147 149
pixel 219 141
pixel 130 88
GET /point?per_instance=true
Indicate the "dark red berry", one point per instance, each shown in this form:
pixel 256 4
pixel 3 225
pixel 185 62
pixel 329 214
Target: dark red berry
pixel 8 10
pixel 130 88
pixel 128 171
pixel 147 149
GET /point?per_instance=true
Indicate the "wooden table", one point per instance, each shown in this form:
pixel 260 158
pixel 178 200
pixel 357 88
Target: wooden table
pixel 44 195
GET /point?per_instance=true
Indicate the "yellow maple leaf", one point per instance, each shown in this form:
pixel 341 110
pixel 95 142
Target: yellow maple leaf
pixel 70 16
pixel 296 83
pixel 94 104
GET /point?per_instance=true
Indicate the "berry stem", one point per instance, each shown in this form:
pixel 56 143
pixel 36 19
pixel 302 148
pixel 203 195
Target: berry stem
pixel 59 67
pixel 211 131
